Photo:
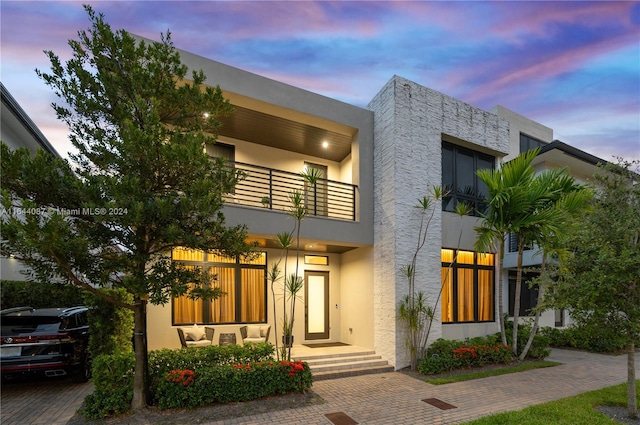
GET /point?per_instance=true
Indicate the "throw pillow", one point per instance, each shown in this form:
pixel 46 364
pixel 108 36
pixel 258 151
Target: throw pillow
pixel 196 333
pixel 253 331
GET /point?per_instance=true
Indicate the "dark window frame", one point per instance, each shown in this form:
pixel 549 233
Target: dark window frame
pixel 455 266
pixel 473 197
pixel 222 150
pixel 238 266
pixel 528 143
pixel 528 295
pixel 512 245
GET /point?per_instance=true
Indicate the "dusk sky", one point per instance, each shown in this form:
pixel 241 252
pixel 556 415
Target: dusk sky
pixel 572 66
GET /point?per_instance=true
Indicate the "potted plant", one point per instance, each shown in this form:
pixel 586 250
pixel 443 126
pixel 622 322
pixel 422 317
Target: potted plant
pixel 287 334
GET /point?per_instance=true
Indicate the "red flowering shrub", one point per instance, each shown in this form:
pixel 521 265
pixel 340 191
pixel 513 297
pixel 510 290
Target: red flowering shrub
pixel 184 377
pixel 444 355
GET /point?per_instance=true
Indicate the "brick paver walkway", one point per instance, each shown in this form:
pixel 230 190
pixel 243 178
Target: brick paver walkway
pixel 389 398
pixel 394 398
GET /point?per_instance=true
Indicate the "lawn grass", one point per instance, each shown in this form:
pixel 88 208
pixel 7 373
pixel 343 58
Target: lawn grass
pixel 495 372
pixel 575 410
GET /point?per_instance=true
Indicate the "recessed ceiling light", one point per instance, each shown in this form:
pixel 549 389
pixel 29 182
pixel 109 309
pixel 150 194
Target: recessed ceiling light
pixel 325 144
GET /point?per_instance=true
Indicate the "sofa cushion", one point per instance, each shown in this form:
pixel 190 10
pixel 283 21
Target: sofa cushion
pixel 263 331
pixel 195 333
pixel 201 343
pixel 253 331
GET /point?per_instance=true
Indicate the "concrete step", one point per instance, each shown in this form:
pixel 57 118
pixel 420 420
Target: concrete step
pixel 348 365
pixel 344 359
pixel 338 365
pixel 334 374
pixel 311 357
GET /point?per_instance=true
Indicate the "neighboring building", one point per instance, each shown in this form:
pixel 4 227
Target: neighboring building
pixel 17 130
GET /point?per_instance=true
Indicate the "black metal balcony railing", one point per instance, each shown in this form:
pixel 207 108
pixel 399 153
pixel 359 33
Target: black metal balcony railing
pixel 269 188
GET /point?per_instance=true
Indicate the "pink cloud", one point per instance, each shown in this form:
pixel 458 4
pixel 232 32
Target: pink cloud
pixel 555 65
pixel 534 18
pixel 278 20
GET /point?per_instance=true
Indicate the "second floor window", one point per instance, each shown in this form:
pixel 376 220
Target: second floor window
pixel 223 150
pixel 459 179
pixel 528 143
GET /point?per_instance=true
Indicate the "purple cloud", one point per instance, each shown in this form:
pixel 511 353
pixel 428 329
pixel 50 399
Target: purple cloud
pixel 564 64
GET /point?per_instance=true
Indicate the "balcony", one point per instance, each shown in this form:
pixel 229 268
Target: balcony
pixel 269 188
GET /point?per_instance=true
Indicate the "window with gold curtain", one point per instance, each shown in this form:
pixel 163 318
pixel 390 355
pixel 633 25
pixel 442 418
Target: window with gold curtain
pixel 485 295
pixel 467 286
pixel 186 310
pixel 223 309
pixel 447 295
pixel 465 295
pixel 253 295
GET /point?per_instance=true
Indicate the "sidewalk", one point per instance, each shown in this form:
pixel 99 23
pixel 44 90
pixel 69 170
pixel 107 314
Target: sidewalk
pixel 389 398
pixel 394 398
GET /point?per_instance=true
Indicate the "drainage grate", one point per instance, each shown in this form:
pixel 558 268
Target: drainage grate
pixel 340 418
pixel 439 404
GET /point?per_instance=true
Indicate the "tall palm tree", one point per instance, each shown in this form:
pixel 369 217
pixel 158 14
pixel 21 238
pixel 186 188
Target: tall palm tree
pixel 506 187
pixel 554 199
pixel 533 207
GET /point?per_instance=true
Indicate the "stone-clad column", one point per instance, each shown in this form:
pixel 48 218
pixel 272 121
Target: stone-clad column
pixel 409 123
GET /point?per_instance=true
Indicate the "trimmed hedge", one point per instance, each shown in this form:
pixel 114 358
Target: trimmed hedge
pixel 113 386
pixel 111 327
pixel 195 376
pixel 231 383
pixel 18 293
pixel 590 338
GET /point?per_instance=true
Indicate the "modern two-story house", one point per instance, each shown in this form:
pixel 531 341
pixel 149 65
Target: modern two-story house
pixel 361 227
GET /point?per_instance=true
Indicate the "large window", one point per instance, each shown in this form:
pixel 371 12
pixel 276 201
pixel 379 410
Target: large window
pixel 243 281
pixel 459 166
pixel 468 282
pixel 528 143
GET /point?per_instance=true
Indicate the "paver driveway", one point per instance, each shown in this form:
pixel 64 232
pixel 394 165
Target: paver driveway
pixel 50 402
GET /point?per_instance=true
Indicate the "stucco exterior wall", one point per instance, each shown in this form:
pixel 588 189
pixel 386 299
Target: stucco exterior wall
pixel 350 303
pixel 356 298
pixel 410 123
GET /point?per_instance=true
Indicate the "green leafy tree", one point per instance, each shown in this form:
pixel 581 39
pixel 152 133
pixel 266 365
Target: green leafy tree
pixel 552 221
pixel 600 281
pixel 141 183
pixel 554 199
pixel 536 208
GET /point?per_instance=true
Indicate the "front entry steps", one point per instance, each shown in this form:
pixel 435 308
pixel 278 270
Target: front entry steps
pixel 340 365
